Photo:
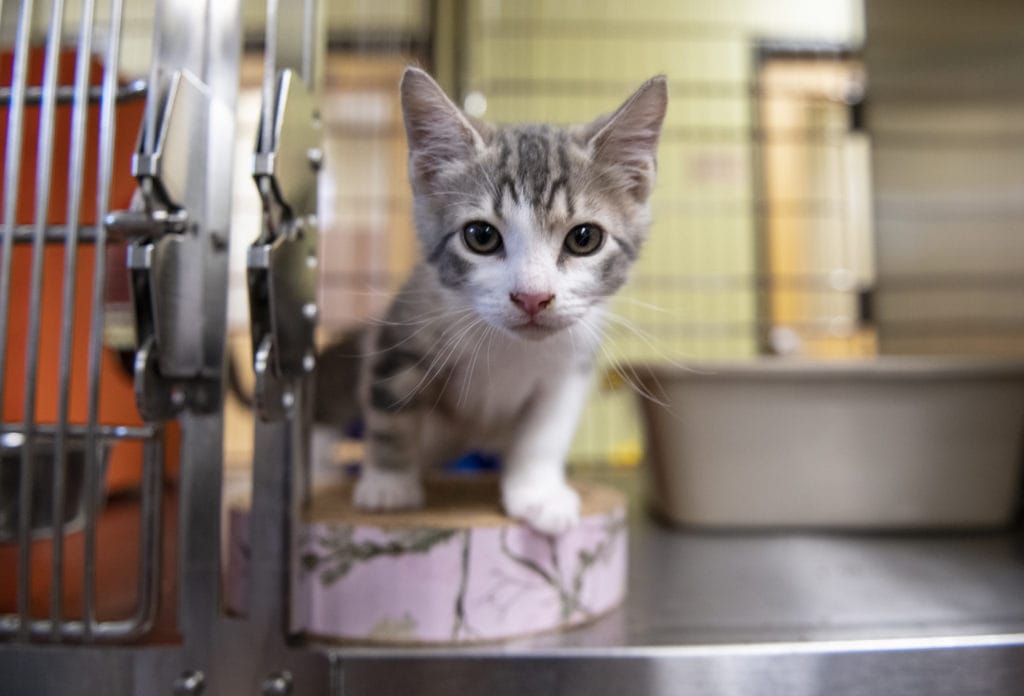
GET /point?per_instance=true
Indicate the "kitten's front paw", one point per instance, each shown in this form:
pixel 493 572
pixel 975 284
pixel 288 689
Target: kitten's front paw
pixel 550 508
pixel 383 490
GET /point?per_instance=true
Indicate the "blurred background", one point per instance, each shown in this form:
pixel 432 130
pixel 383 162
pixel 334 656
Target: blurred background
pixel 819 194
pixel 835 180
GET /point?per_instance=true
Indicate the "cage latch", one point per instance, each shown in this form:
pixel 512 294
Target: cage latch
pixel 175 364
pixel 282 262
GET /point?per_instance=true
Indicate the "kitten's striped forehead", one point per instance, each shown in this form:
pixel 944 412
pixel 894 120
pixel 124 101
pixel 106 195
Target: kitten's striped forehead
pixel 534 167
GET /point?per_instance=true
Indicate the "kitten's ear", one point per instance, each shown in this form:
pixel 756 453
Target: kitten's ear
pixel 627 140
pixel 437 131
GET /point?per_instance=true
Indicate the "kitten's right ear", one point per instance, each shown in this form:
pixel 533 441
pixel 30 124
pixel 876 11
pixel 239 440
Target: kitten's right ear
pixel 437 131
pixel 627 140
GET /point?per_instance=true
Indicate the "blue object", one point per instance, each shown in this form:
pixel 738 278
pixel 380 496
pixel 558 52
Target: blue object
pixel 355 429
pixel 474 461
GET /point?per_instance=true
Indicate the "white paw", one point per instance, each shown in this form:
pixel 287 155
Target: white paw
pixel 551 508
pixel 384 490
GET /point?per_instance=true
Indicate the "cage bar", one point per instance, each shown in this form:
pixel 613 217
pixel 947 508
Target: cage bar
pixel 12 158
pixel 75 174
pixel 44 164
pixel 108 99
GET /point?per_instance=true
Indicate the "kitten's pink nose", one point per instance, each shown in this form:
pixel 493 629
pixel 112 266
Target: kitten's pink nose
pixel 531 302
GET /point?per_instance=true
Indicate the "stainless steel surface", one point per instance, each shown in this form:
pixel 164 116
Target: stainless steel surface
pixel 883 443
pixel 904 670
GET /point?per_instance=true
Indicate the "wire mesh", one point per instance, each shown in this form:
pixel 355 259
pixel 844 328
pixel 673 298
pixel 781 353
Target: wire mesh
pixel 764 240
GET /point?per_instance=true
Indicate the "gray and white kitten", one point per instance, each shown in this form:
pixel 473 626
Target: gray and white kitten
pixel 526 232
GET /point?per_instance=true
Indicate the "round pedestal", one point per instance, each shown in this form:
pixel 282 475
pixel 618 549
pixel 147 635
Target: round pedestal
pixel 457 571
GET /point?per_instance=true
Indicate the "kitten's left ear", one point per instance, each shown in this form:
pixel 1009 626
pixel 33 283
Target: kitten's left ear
pixel 627 140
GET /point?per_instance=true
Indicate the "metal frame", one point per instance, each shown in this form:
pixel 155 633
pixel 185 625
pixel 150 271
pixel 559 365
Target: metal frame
pixel 28 436
pixel 196 45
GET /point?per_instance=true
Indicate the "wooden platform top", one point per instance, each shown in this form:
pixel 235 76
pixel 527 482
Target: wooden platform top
pixel 458 501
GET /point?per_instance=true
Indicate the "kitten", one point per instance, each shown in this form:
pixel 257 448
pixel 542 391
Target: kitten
pixel 526 231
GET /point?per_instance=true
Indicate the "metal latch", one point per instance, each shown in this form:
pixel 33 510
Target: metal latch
pixel 282 262
pixel 166 256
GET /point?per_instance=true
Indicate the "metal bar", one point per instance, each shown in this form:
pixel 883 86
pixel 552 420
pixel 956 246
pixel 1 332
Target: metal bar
pixel 106 631
pixel 271 522
pixel 12 179
pixel 52 233
pixel 76 172
pixel 106 432
pixel 44 165
pixel 314 34
pixel 199 501
pixel 149 547
pixel 760 224
pixel 130 91
pixel 106 153
pixel 364 41
pixel 154 101
pixel 269 80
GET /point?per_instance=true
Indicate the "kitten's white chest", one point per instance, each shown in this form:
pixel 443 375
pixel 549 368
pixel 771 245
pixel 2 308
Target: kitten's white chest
pixel 496 379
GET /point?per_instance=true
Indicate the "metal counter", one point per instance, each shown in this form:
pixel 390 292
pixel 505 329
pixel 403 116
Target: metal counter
pixel 740 612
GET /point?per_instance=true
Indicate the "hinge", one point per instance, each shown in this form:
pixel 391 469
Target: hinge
pixel 282 262
pixel 166 251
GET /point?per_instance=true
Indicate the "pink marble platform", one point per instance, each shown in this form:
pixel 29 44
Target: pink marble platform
pixel 456 572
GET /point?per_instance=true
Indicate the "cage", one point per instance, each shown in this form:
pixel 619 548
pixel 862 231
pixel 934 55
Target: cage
pixel 837 181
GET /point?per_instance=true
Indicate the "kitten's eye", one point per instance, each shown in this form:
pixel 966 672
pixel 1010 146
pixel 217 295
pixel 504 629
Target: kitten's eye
pixel 584 240
pixel 481 237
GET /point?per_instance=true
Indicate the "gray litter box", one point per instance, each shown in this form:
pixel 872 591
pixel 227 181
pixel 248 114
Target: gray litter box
pixel 884 443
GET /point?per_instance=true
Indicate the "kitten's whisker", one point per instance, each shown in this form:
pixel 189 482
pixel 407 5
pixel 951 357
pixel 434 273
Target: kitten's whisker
pixel 625 371
pixel 645 305
pixel 433 356
pixel 426 325
pixel 440 358
pixel 470 372
pixel 427 319
pixel 489 334
pixel 455 348
pixel 649 340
